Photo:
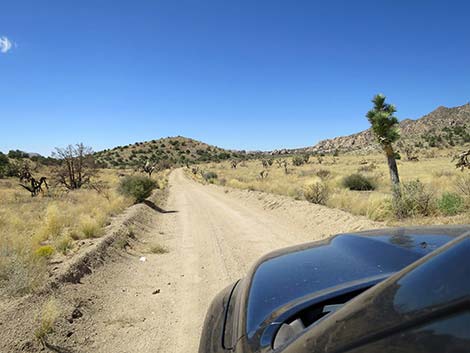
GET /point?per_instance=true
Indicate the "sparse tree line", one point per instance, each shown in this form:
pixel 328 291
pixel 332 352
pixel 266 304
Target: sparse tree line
pixel 74 167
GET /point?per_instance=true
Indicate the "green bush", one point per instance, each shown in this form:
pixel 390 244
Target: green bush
pixel 450 203
pixel 137 187
pixel 358 182
pixel 4 161
pixel 45 251
pixel 298 161
pixel 415 199
pixel 208 176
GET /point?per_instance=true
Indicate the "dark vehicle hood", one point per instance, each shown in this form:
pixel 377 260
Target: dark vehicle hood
pixel 404 310
pixel 298 276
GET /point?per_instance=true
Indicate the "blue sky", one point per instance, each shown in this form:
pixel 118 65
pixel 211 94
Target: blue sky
pixel 239 74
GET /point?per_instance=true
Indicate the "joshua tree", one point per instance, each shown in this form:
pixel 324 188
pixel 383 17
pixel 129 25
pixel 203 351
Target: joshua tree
pixel 462 160
pixel 148 168
pixel 283 163
pixel 24 172
pixel 384 124
pixel 36 186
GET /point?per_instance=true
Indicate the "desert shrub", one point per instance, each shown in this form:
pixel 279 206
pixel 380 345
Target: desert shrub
pixel 222 181
pixel 462 184
pixel 20 274
pixel 298 161
pixel 158 249
pixel 4 163
pixel 366 168
pixel 415 200
pixel 45 251
pixel 316 193
pixel 237 184
pixel 9 169
pixel 450 203
pixel 138 187
pixel 323 174
pixel 208 176
pixel 358 182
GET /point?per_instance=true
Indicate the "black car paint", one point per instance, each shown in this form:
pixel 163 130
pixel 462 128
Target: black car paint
pixel 430 290
pixel 285 282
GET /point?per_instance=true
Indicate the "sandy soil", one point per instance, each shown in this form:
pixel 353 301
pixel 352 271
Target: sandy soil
pixel 213 235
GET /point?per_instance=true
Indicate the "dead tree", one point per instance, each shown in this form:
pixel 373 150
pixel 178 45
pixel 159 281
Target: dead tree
pixel 77 166
pixel 463 160
pixel 36 186
pixel 263 175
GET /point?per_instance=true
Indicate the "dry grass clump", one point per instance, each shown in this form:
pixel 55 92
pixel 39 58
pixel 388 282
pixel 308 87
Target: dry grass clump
pixel 49 315
pixel 462 185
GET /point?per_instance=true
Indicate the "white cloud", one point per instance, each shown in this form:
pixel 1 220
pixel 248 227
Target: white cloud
pixel 5 45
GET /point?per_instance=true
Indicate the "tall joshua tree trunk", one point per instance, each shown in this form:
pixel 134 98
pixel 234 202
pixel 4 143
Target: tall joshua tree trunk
pixel 392 164
pixel 384 126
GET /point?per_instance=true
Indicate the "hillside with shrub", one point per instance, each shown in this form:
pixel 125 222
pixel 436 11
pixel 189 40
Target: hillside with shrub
pixel 442 128
pixel 172 151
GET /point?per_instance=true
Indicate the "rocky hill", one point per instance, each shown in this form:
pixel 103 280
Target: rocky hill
pixel 443 127
pixel 170 150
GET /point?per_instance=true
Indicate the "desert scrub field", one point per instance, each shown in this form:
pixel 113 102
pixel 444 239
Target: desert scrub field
pixel 357 184
pixel 35 231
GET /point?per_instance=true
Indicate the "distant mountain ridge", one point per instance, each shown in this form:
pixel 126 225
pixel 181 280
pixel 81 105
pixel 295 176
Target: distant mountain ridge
pixel 441 128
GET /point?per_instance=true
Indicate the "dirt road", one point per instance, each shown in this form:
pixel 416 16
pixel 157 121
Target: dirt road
pixel 213 237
